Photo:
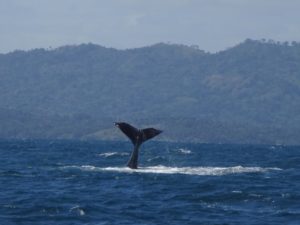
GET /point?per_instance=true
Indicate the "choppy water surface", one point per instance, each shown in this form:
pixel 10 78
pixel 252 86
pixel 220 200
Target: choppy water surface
pixel 69 182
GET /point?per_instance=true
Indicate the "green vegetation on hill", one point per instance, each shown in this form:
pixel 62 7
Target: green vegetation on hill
pixel 249 93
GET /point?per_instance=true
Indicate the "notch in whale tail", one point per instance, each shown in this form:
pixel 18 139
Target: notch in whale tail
pixel 137 137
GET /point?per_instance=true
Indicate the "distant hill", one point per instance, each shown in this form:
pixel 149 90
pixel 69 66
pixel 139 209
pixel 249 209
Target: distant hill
pixel 249 93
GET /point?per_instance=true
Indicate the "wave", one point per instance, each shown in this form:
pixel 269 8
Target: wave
pixel 184 151
pixel 10 173
pixel 156 158
pixel 109 154
pixel 202 171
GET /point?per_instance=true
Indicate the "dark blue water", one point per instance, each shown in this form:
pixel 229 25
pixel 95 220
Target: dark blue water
pixel 68 182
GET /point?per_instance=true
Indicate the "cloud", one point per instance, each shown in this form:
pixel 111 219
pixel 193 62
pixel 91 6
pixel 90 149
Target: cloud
pixel 134 20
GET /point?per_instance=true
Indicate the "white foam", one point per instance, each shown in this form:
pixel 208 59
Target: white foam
pixel 77 210
pixel 184 151
pixel 108 154
pixel 202 171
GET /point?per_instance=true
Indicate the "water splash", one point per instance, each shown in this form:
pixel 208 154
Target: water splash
pixel 202 171
pixel 77 210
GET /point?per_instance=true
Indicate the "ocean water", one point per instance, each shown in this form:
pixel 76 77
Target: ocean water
pixel 73 182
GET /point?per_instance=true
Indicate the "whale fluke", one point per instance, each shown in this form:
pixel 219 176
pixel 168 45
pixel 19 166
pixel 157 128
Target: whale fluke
pixel 137 137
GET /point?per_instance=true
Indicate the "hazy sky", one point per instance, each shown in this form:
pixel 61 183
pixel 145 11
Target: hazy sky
pixel 211 24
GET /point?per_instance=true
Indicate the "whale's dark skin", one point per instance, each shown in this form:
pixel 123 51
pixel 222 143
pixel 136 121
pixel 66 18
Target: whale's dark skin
pixel 137 137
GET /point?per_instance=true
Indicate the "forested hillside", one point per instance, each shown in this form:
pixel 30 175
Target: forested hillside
pixel 249 93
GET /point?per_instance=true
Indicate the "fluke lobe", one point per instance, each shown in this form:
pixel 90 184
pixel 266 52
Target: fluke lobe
pixel 137 137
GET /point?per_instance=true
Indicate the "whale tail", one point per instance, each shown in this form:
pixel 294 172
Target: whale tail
pixel 137 137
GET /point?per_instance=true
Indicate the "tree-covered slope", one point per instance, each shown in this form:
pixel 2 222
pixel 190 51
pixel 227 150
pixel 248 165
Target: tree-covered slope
pixel 248 94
